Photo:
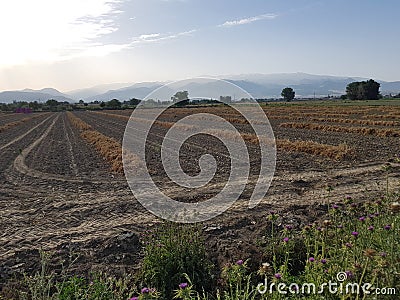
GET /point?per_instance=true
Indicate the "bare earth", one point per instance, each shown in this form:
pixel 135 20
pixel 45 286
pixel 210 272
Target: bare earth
pixel 58 194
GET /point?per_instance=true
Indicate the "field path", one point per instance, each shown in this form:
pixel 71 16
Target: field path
pixel 24 135
pixel 21 167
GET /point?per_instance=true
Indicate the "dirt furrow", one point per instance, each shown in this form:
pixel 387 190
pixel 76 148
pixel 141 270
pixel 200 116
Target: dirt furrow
pixel 69 145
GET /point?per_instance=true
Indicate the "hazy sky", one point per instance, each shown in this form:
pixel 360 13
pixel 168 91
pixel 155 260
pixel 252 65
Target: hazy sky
pixel 70 44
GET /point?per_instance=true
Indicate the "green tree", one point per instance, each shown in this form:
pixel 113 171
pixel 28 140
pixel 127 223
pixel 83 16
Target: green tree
pixel 114 104
pixel 52 103
pixel 371 90
pixel 181 98
pixel 288 94
pixel 353 90
pixel 363 90
pixel 134 101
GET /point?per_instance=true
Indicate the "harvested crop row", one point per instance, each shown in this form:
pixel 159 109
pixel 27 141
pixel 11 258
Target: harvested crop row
pixel 361 122
pixel 329 151
pixel 343 121
pixel 109 148
pixel 16 123
pixel 378 117
pixel 339 152
pixel 319 114
pixel 126 118
pixel 333 128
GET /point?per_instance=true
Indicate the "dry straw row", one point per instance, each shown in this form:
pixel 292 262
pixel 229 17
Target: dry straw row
pixel 333 128
pixel 338 152
pixel 109 148
pixel 17 123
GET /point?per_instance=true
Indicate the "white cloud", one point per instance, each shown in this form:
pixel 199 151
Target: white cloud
pixel 157 37
pixel 48 30
pixel 149 36
pixel 102 50
pixel 248 20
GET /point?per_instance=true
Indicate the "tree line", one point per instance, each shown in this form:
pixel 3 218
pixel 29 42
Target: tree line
pixel 357 90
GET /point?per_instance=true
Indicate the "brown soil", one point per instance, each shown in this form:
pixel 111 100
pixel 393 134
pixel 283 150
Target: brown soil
pixel 58 194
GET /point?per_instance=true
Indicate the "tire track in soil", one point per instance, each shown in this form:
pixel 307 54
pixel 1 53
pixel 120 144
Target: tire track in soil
pixel 21 167
pixel 50 220
pixel 70 149
pixel 312 178
pixel 313 182
pixel 24 135
pixel 11 150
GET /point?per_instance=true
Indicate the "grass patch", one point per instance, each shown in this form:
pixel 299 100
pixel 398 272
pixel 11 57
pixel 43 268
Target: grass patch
pixel 358 239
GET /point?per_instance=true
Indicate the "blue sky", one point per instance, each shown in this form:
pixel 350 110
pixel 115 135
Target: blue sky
pixel 70 44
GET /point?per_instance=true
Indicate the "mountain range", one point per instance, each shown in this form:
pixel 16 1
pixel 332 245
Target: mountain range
pixel 258 85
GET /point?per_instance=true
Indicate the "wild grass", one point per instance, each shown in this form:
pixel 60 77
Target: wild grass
pixel 359 240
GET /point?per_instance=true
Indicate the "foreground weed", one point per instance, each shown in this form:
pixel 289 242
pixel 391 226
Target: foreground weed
pixel 172 251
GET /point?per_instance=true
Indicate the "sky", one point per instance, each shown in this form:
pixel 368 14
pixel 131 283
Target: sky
pixel 73 44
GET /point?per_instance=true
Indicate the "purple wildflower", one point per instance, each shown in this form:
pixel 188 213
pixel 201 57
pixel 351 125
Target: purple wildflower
pixel 311 259
pixel 349 274
pixel 145 290
pixel 278 275
pixel 323 261
pixel 387 227
pixel 286 239
pixel 183 285
pixel 239 262
pixel 354 233
pixel 362 219
pixel 370 228
pixel 349 245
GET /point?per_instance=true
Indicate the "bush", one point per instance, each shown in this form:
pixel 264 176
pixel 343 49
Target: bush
pixel 172 251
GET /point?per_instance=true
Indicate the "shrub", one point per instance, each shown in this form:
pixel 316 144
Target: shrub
pixel 172 251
